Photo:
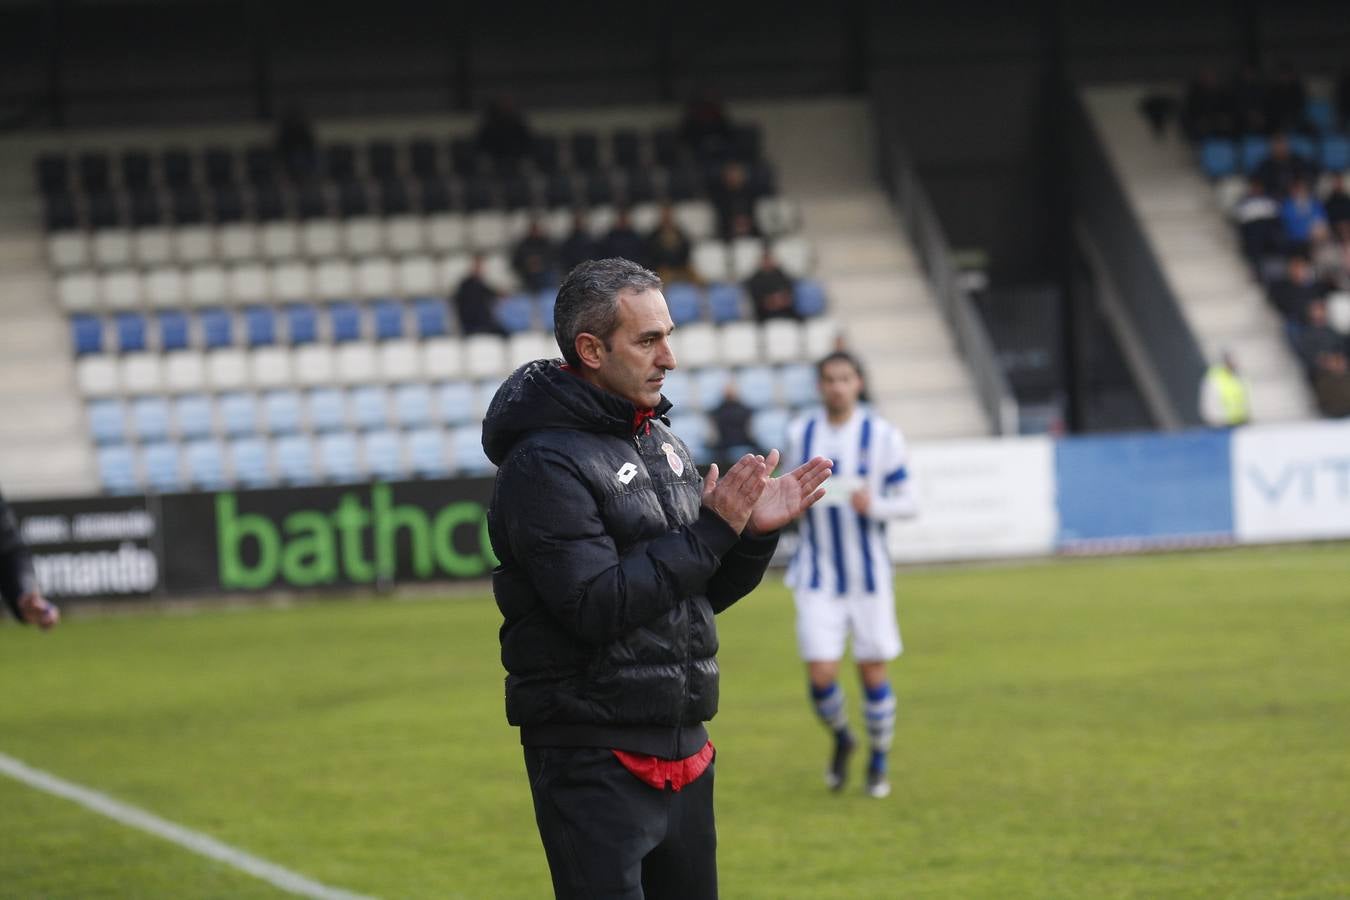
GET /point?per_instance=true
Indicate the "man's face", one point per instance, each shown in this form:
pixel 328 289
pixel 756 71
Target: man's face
pixel 840 387
pixel 635 366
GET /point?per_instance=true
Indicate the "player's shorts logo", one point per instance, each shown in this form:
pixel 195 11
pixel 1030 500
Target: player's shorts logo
pixel 676 464
pixel 626 473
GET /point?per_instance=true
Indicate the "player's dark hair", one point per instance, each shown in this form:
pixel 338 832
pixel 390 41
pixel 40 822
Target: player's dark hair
pixel 845 357
pixel 588 301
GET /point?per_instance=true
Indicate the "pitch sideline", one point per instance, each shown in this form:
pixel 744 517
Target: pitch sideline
pixel 201 844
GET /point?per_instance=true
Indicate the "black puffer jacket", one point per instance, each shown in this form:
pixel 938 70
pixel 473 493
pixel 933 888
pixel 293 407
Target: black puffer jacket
pixel 611 570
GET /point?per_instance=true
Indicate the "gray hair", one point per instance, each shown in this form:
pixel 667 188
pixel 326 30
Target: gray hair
pixel 588 301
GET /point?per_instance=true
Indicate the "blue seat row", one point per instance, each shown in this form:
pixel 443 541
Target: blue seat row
pixel 1220 157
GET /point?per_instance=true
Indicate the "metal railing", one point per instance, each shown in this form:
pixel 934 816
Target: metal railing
pixel 935 255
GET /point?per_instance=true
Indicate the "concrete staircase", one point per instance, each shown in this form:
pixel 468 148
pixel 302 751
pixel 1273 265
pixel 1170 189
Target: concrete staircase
pixel 878 292
pixel 1199 256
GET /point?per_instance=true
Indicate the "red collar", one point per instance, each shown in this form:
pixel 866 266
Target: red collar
pixel 642 420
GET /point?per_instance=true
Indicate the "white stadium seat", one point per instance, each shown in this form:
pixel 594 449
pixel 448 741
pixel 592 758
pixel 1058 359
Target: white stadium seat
pixel 738 343
pixel 820 335
pixel 226 369
pixel 333 279
pixel 488 229
pixel 194 243
pixel 153 246
pixel 709 259
pixel 497 271
pixel 405 234
pixel 375 277
pixel 416 277
pixel 112 247
pixel 320 238
pixel 121 289
pixel 97 376
pixel 782 340
pixel 776 216
pixel 599 220
pixel 184 371
pixel 645 217
pixel 291 282
pixel 270 367
pixel 248 283
pixel 446 231
pixel 746 253
pixel 695 345
pixel 363 236
pixel 557 224
pixel 206 285
pixel 697 218
pixel 280 240
pixel 238 242
pixel 527 346
pixel 314 364
pixel 77 291
pixel 142 373
pixel 356 363
pixel 794 255
pixel 442 358
pixel 68 250
pixel 399 361
pixel 484 355
pixel 165 288
pixel 451 271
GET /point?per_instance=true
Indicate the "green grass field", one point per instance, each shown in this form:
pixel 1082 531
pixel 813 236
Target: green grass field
pixel 1173 726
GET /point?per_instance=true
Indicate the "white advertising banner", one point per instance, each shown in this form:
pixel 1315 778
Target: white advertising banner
pixel 1292 482
pixel 979 499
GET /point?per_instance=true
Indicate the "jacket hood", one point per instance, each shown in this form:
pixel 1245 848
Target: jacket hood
pixel 542 394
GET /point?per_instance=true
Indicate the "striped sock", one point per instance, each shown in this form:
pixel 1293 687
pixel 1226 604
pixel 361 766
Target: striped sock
pixel 880 711
pixel 829 703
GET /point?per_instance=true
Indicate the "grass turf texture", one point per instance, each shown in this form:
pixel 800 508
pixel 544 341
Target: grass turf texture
pixel 1145 727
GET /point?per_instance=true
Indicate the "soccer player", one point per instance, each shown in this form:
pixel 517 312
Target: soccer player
pixel 18 585
pixel 615 556
pixel 841 574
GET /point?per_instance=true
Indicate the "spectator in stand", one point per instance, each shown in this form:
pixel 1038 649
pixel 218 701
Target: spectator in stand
pixel 1331 386
pixel 1303 219
pixel 1208 108
pixel 1287 101
pixel 1258 221
pixel 1293 294
pixel 295 143
pixel 1317 339
pixel 705 128
pixel 1249 101
pixel 734 201
pixel 503 134
pixel 1225 398
pixel 476 302
pixel 771 290
pixel 622 240
pixel 535 259
pixel 579 246
pixel 731 418
pixel 668 248
pixel 1282 168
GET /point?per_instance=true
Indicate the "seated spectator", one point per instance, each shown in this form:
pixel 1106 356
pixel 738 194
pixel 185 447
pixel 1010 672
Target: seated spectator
pixel 622 240
pixel 476 302
pixel 734 202
pixel 1302 218
pixel 1208 108
pixel 731 418
pixel 579 246
pixel 1316 339
pixel 771 290
pixel 503 133
pixel 705 128
pixel 1225 398
pixel 1287 101
pixel 535 259
pixel 668 248
pixel 1293 294
pixel 1331 385
pixel 295 143
pixel 1249 101
pixel 1282 168
pixel 1258 222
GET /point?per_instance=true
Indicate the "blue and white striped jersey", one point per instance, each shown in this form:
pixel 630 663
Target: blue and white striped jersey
pixel 842 551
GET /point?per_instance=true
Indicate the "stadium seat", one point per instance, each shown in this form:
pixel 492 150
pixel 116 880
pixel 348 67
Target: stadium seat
pixel 487 229
pixel 782 340
pixel 515 313
pixel 1336 152
pixel 206 285
pixel 798 384
pixel 270 367
pixel 526 347
pixel 442 357
pixel 107 421
pixel 745 256
pixel 412 405
pixel 483 392
pixel 184 371
pixel 1218 158
pixel 685 302
pixel 727 302
pixel 117 469
pixel 769 427
pixel 466 448
pixel 217 328
pixel 356 363
pixel 142 373
pixel 112 247
pixel 94 171
pixel 375 277
pixel 77 291
pixel 427 455
pixel 238 242
pixel 68 250
pixel 738 343
pixel 192 415
pixel 163 466
pixel 334 279
pixel 776 216
pixel 280 240
pixel 696 432
pixel 226 369
pixel 260 326
pixel 484 355
pixel 709 386
pixel 87 334
pixel 248 283
pixel 678 388
pixel 103 211
pixel 820 335
pixel 794 255
pixel 369 406
pixel 194 243
pixel 454 403
pixel 399 361
pixel 291 282
pixel 756 386
pixel 295 463
pixel 1255 149
pixel 174 331
pixel 432 315
pixel 345 318
pixel 302 323
pixel 135 166
pixel 697 218
pixel 434 196
pixel 145 209
pixel 339 458
pixel 97 375
pixel 327 409
pixel 709 260
pixel 164 288
pixel 362 236
pixel 121 289
pixel 152 246
pixel 808 298
pixel 543 306
pixel 314 364
pixel 204 460
pixel 150 418
pixel 695 345
pixel 353 202
pixel 282 411
pixel 383 453
pixel 416 276
pixel 450 271
pixel 388 319
pixel 405 234
pixel 238 413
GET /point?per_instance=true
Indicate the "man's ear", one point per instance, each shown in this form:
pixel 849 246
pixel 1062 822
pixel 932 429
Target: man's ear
pixel 590 349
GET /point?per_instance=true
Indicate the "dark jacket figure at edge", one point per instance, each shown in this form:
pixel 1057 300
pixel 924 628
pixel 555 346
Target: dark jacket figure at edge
pixel 18 584
pixel 615 556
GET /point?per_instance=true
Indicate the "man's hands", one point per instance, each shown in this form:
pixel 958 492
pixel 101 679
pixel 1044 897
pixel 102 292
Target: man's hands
pixel 748 496
pixel 38 610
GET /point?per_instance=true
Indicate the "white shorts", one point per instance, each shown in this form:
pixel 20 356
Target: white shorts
pixel 825 622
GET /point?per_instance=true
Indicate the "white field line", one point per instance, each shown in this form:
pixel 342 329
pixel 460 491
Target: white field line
pixel 273 874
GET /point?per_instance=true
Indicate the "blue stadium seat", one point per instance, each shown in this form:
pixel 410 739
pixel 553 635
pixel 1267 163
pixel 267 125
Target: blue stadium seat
pixel 695 430
pixel 281 412
pixel 724 300
pixel 426 452
pixel 1321 114
pixel 327 409
pixel 295 459
pixel 370 406
pixel 384 455
pixel 117 469
pixel 769 429
pixel 238 413
pixel 432 315
pixel 346 319
pixel 1304 146
pixel 412 405
pixel 678 388
pixel 192 414
pixel 107 422
pixel 1255 149
pixel 756 385
pixel 302 323
pixel 248 459
pixel 338 457
pixel 150 418
pixel 798 382
pixel 685 302
pixel 808 298
pixel 709 384
pixel 515 313
pixel 173 330
pixel 87 332
pixel 466 445
pixel 205 461
pixel 260 326
pixel 1218 157
pixel 1335 153
pixel 162 463
pixel 217 328
pixel 130 332
pixel 388 320
pixel 454 402
pixel 543 303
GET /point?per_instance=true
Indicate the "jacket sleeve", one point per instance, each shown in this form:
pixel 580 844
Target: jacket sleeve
pixel 558 538
pixel 16 567
pixel 741 570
